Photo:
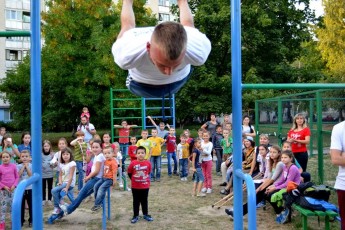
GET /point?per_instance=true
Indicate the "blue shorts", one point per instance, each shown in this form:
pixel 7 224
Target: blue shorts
pixel 198 176
pixel 155 91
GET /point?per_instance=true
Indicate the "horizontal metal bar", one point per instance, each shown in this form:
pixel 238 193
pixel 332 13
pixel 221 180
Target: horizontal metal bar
pixel 127 99
pixel 126 109
pixel 19 33
pixel 126 118
pixel 157 108
pixel 295 86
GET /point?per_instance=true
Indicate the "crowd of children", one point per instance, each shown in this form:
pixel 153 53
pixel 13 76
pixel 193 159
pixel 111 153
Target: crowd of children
pixel 100 164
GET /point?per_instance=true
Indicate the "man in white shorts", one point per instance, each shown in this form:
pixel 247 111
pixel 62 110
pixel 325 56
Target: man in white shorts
pixel 159 58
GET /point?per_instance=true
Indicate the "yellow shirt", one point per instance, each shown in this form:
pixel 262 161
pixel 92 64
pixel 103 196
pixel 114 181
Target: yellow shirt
pixel 156 145
pixel 147 144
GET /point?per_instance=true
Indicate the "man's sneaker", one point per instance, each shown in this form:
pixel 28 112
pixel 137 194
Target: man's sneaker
pixel 135 219
pixel 201 194
pixel 64 209
pixel 285 216
pixel 209 190
pixel 148 218
pixel 261 204
pixel 96 207
pixel 203 190
pixel 230 213
pixel 56 211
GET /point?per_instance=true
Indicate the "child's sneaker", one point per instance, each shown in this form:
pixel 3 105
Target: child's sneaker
pixel 209 190
pixel 148 218
pixel 261 204
pixel 64 209
pixel 203 190
pixel 49 202
pixel 134 219
pixel 121 185
pixel 56 211
pixel 96 207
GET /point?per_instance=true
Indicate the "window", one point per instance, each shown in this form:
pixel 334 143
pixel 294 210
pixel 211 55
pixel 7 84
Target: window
pixel 14 55
pixel 8 116
pixel 162 3
pixel 164 17
pixel 13 15
pixel 26 17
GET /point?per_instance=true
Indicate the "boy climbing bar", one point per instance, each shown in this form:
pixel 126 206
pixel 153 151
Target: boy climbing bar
pixel 159 58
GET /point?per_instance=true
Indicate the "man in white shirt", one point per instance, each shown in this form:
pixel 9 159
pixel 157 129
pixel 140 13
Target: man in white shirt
pixel 159 58
pixel 338 158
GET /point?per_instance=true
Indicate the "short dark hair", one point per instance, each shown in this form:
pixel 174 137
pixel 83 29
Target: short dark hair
pixel 171 37
pixel 140 147
pixel 62 161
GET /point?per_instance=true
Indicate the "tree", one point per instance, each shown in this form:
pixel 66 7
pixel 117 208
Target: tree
pixel 331 37
pixel 272 34
pixel 77 65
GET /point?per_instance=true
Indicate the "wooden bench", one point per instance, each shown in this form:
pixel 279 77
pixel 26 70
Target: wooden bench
pixel 306 212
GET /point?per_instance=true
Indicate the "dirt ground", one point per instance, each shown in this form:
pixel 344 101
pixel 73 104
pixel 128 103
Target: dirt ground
pixel 172 207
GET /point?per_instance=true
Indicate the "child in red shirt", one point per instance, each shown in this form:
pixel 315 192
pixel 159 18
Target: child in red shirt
pixel 133 148
pixel 139 171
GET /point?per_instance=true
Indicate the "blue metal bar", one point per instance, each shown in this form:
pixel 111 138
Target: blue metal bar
pixel 109 208
pixel 36 112
pixel 236 69
pixel 104 219
pixel 173 114
pixel 17 201
pixel 251 198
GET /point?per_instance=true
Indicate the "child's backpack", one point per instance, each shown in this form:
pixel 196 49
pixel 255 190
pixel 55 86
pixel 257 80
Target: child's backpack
pixel 320 192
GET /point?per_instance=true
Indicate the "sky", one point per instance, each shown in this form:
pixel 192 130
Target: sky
pixel 317 6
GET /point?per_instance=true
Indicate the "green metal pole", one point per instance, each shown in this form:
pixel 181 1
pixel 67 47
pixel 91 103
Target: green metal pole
pixel 257 128
pixel 295 86
pixel 319 136
pixel 311 124
pixel 280 120
pixel 112 115
pixel 15 33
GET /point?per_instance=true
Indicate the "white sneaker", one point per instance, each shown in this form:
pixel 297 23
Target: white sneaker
pixel 56 211
pixel 182 178
pixel 121 185
pixel 185 179
pixel 64 209
pixel 203 190
pixel 209 190
pixel 43 202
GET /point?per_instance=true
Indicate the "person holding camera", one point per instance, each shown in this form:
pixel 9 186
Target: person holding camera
pixel 7 144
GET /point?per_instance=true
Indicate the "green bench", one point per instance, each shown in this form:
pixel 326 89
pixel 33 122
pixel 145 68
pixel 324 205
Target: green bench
pixel 305 213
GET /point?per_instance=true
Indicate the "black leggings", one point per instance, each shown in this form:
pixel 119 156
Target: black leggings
pixel 45 182
pixel 302 158
pixel 140 198
pixel 28 197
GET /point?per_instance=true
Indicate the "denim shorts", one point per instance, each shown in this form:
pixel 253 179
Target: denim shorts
pixel 155 91
pixel 198 176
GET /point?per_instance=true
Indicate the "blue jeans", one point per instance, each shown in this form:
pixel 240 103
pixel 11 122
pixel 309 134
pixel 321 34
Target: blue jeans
pixel 80 174
pixel 124 151
pixel 153 91
pixel 86 191
pixel 100 189
pixel 173 156
pixel 56 193
pixel 183 167
pixel 156 162
pixel 198 176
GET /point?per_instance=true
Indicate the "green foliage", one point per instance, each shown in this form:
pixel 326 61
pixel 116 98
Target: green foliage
pixel 77 64
pixel 332 39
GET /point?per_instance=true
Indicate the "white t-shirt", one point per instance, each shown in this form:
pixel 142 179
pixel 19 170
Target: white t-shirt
pixel 207 149
pixel 118 157
pixel 130 53
pixel 88 136
pixel 338 143
pixel 99 158
pixel 65 169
